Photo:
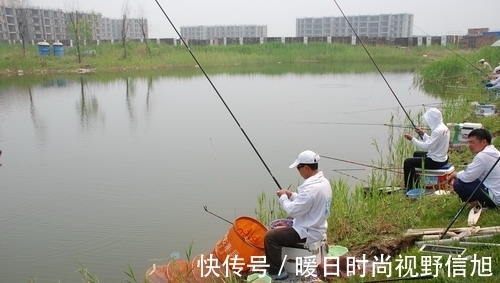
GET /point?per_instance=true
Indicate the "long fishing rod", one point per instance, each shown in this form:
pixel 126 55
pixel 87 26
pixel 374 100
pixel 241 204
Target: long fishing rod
pixel 218 94
pixel 388 108
pixel 376 66
pixel 362 164
pixel 475 67
pixel 468 200
pixel 348 175
pixel 361 124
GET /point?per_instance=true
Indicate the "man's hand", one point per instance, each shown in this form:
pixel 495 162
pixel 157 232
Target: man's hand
pixel 419 131
pixel 283 192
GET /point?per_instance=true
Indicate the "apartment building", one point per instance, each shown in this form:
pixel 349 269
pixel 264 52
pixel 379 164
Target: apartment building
pixel 36 24
pixel 386 25
pixel 231 31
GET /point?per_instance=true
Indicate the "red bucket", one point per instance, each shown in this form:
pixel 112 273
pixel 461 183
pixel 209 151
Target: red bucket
pixel 243 240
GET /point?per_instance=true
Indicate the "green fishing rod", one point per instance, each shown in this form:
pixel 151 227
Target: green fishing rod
pixel 378 69
pixel 217 92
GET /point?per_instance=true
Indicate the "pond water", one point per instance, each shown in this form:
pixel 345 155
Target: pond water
pixel 116 173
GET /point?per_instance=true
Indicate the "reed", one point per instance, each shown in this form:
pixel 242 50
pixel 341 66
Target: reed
pixel 87 276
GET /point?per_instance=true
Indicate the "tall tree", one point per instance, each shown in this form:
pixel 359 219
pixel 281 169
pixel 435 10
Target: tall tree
pixel 22 22
pixel 125 25
pixel 144 26
pixel 80 27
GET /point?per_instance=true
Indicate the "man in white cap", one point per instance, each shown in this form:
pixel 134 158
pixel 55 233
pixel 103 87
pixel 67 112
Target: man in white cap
pixel 485 65
pixel 309 207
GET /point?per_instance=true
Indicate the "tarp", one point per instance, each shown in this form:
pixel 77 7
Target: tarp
pixel 496 43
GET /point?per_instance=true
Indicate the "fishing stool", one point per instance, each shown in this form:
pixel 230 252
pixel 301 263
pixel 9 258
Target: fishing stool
pixel 299 256
pixel 435 178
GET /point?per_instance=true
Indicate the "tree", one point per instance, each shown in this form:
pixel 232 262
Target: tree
pixel 80 27
pixel 22 24
pixel 143 24
pixel 125 24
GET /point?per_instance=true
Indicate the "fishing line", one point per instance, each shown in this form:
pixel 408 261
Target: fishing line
pixel 218 94
pixel 362 164
pixel 468 200
pixel 376 66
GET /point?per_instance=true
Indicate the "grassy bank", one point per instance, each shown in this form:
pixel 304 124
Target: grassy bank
pixel 109 57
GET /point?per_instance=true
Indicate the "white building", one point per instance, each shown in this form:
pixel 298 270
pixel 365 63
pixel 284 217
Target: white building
pixel 386 25
pixel 213 32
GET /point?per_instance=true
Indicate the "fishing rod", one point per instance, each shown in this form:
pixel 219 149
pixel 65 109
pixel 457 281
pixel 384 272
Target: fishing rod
pixel 220 217
pixel 468 200
pixel 360 124
pixel 362 164
pixel 376 66
pixel 473 65
pixel 348 175
pixel 388 108
pixel 218 94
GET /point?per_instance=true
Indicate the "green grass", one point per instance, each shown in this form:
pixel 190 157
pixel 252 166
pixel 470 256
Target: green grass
pixel 109 57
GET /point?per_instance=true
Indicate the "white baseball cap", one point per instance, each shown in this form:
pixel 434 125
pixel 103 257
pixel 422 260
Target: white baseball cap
pixel 305 157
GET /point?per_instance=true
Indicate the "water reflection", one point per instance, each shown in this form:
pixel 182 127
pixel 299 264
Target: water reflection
pixel 38 124
pixel 88 107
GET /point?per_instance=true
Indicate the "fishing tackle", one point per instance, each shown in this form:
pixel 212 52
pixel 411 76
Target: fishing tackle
pixel 376 66
pixel 218 94
pixel 348 175
pixel 220 217
pixel 361 124
pixel 362 164
pixel 388 108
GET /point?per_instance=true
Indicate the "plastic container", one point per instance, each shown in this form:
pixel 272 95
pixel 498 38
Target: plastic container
pixel 243 240
pixel 43 48
pixel 415 193
pixel 337 251
pixel 58 49
pixel 258 278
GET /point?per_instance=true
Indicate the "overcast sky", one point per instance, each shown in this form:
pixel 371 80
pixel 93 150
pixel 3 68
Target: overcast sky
pixel 431 17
